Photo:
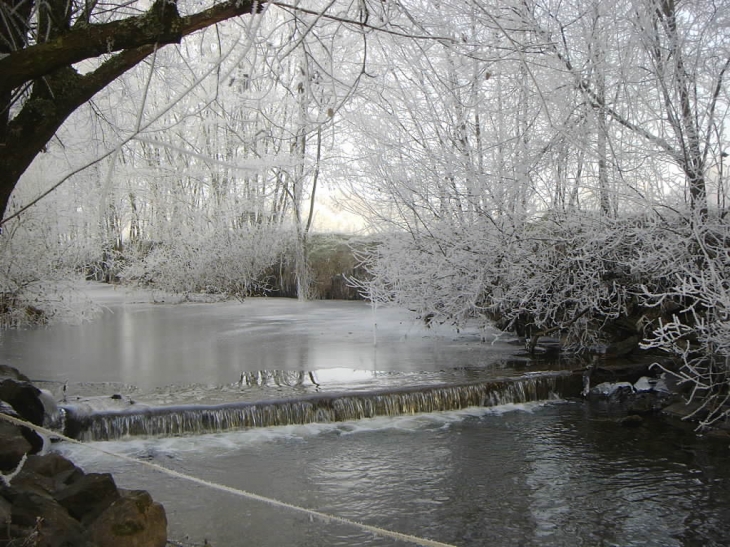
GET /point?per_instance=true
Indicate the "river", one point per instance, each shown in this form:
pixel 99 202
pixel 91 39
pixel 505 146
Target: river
pixel 553 472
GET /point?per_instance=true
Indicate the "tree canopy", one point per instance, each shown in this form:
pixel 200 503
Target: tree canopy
pixel 42 45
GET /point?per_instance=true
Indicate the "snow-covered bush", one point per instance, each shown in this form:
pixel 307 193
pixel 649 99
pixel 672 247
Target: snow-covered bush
pixel 226 262
pixel 39 277
pixel 694 324
pixel 601 285
pixel 442 275
pixel 553 275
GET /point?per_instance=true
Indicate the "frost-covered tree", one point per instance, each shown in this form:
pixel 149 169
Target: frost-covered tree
pixel 219 137
pixel 56 55
pixel 562 125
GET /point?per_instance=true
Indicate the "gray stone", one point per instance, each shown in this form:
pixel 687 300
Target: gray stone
pixel 89 496
pixel 45 521
pixel 24 398
pixel 13 447
pixel 134 520
pixel 6 371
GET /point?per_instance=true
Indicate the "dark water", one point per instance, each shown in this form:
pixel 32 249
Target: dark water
pixel 540 475
pixel 535 474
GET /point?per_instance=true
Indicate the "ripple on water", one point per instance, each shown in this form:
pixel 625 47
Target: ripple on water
pixel 539 475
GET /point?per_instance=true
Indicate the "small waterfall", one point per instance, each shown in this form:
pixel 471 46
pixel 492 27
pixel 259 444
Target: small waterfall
pixel 197 419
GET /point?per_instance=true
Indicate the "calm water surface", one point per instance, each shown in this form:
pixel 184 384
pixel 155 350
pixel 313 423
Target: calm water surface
pixel 151 345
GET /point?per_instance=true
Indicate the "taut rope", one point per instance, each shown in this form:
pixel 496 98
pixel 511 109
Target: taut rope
pixel 424 542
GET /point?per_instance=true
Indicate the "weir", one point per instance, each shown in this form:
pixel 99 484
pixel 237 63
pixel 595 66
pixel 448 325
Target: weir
pixel 198 419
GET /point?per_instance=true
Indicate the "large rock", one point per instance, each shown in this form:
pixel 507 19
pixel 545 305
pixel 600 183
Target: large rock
pixel 26 402
pixel 30 403
pixel 54 466
pixel 89 496
pixel 40 521
pixel 25 398
pixel 134 520
pixel 52 503
pixel 6 371
pixel 13 446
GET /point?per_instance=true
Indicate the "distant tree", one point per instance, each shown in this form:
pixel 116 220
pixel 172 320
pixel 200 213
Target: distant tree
pixel 46 50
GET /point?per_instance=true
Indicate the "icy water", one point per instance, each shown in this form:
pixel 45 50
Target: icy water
pixel 150 345
pixel 534 474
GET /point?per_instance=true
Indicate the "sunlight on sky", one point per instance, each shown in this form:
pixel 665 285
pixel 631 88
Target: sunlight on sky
pixel 330 217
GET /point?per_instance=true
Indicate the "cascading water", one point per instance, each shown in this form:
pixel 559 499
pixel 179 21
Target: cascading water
pixel 197 419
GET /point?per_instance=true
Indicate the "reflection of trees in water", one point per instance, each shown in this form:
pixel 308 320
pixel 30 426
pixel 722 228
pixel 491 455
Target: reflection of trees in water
pixel 290 378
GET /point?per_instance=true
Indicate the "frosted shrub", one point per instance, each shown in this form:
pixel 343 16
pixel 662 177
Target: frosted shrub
pixel 600 285
pixel 694 325
pixel 443 276
pixel 40 278
pixel 227 263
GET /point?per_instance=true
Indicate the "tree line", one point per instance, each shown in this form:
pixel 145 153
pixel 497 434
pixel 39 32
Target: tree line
pixel 554 167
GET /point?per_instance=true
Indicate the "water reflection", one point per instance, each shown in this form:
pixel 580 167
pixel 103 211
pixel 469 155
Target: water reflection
pixel 212 344
pixel 611 485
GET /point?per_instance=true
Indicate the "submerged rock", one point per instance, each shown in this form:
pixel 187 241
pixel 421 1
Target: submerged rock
pixel 644 384
pixel 611 390
pixel 632 420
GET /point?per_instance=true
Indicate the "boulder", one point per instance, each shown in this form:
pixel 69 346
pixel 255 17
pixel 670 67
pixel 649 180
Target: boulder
pixel 52 503
pixel 50 465
pixel 644 384
pixel 89 496
pixel 133 520
pixel 34 440
pixel 13 446
pixel 41 522
pixel 54 466
pixel 613 391
pixel 43 475
pixel 25 398
pixel 6 371
pixel 29 481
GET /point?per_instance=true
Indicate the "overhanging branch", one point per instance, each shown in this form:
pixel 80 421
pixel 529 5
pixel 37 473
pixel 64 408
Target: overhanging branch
pixel 161 24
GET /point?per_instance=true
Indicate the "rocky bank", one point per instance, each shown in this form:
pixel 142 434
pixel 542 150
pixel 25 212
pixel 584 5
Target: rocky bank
pixel 47 501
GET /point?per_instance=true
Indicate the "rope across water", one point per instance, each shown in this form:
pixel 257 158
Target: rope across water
pixel 425 542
